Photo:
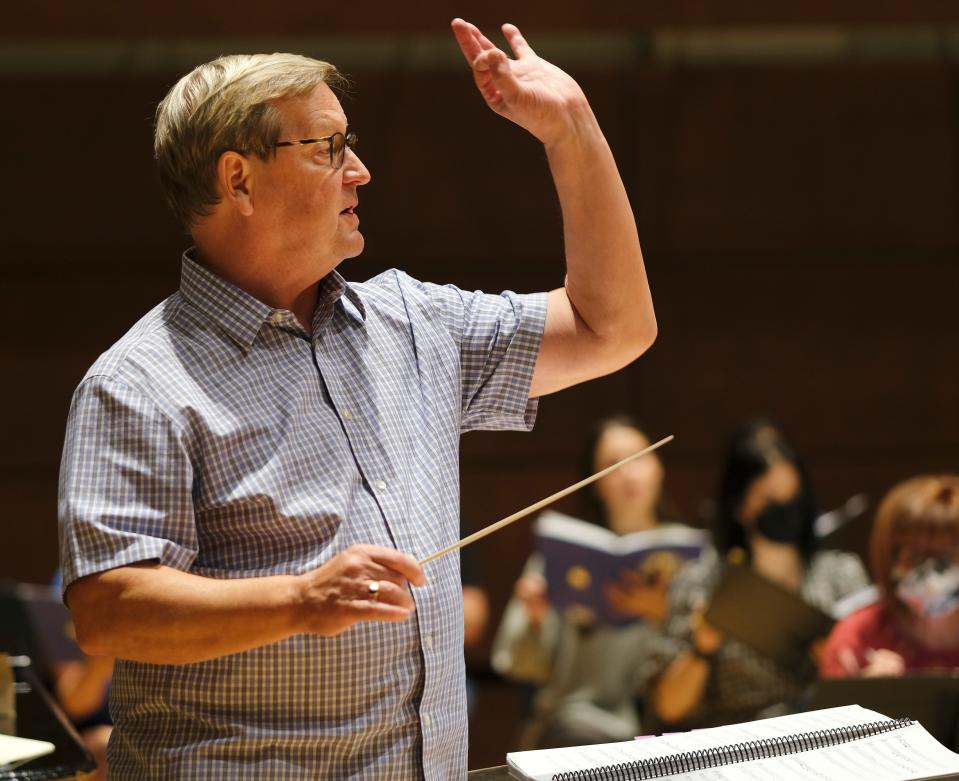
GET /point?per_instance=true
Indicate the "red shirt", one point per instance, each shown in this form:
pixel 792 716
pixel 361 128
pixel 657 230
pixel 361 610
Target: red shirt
pixel 873 627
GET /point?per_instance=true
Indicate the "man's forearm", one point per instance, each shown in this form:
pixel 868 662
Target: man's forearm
pixel 606 279
pixel 165 616
pixel 151 613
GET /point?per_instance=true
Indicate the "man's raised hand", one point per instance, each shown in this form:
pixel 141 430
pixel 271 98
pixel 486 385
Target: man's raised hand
pixel 527 90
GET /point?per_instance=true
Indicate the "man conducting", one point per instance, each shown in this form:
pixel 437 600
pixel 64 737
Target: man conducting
pixel 252 472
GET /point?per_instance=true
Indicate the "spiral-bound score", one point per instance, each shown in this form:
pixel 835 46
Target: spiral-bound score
pixel 704 759
pixel 848 743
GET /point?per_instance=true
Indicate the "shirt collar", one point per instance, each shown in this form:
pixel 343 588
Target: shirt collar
pixel 241 315
pixel 333 288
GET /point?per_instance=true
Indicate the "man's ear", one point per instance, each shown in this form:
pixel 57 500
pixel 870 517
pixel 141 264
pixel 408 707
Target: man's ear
pixel 234 176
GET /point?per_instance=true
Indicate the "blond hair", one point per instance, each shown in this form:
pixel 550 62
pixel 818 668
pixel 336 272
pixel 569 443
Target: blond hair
pixel 226 104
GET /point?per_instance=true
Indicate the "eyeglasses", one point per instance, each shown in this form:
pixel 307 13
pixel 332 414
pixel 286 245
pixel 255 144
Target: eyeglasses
pixel 339 142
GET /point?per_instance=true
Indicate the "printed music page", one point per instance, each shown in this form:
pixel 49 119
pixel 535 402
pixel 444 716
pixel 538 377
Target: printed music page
pixel 14 750
pixel 906 754
pixel 899 755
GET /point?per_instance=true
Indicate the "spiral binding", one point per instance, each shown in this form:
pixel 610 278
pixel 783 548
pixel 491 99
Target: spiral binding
pixel 703 759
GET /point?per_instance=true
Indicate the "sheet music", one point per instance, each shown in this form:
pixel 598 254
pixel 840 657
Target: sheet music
pixel 14 750
pixel 794 724
pixel 900 754
pixel 543 763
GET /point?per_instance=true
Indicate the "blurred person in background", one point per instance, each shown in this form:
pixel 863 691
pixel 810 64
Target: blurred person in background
pixel 475 619
pixel 766 512
pixel 82 688
pixel 914 557
pixel 587 673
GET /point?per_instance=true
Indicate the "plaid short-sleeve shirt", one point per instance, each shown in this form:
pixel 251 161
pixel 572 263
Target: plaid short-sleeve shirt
pixel 219 438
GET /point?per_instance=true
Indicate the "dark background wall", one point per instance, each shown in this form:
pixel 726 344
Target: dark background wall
pixel 794 174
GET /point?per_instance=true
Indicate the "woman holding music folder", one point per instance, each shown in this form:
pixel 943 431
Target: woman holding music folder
pixel 914 555
pixel 765 517
pixel 586 667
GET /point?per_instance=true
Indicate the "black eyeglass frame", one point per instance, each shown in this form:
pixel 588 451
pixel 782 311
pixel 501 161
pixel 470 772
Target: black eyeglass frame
pixel 350 140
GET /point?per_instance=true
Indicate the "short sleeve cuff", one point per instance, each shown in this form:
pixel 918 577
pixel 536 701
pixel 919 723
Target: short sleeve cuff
pixel 123 549
pixel 508 407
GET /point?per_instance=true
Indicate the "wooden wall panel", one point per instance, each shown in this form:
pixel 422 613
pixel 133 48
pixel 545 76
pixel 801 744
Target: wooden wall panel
pixel 799 224
pixel 764 302
pixel 81 165
pixel 805 159
pixel 216 17
pixel 29 551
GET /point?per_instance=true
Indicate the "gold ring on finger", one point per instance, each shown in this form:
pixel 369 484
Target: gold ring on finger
pixel 373 589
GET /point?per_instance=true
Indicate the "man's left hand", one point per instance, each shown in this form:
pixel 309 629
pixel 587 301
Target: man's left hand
pixel 528 90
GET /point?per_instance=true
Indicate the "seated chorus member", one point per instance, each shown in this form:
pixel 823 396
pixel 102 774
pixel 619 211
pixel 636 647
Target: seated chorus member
pixel 588 676
pixel 914 554
pixel 766 512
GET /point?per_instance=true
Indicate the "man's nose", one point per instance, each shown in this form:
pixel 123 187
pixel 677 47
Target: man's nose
pixel 354 172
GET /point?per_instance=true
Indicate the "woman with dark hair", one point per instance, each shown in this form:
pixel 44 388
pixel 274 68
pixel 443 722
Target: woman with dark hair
pixel 589 674
pixel 914 555
pixel 765 516
pixel 765 488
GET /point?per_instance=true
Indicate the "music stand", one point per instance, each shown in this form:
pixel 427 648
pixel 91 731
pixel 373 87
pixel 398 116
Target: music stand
pixel 930 699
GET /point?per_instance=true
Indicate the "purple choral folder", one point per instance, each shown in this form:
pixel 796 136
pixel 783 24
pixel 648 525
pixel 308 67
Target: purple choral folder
pixel 582 558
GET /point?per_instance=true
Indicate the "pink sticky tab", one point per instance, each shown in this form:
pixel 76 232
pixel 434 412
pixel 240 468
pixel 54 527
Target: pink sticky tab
pixel 644 737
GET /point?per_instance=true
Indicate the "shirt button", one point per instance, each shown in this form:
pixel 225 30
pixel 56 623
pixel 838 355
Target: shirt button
pixel 347 415
pixel 428 641
pixel 276 317
pixel 380 484
pixel 426 719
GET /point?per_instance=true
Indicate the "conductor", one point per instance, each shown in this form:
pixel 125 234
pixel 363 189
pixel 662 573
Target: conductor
pixel 251 473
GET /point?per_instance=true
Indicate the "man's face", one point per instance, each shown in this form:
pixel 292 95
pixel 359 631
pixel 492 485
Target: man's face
pixel 304 203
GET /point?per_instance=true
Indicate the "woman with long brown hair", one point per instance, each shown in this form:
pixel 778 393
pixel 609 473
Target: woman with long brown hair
pixel 588 674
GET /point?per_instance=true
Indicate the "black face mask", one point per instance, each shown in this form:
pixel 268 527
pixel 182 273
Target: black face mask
pixel 781 522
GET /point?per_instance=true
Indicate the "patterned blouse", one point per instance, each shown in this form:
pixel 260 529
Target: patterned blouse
pixel 744 685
